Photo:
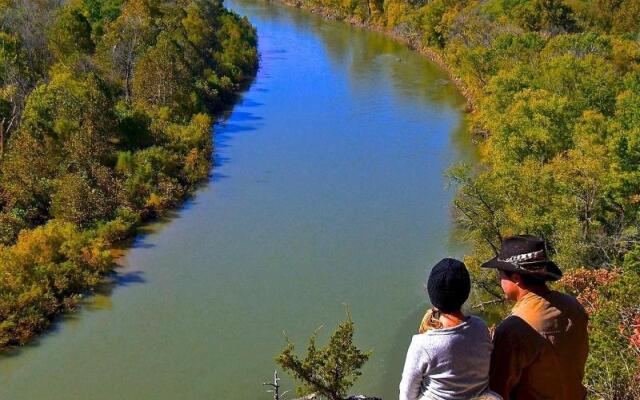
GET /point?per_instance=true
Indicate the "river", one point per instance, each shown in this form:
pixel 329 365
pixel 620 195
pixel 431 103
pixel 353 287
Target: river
pixel 327 190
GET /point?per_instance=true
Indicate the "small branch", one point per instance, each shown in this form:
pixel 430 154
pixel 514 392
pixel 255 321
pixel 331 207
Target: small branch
pixel 276 387
pixel 486 288
pixel 487 303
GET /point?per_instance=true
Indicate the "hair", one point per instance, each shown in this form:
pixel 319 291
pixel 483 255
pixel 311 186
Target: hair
pixel 528 279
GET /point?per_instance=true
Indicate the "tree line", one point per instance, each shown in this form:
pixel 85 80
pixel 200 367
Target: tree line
pixel 555 87
pixel 105 121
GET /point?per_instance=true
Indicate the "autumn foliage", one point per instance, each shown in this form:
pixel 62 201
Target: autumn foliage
pixel 105 120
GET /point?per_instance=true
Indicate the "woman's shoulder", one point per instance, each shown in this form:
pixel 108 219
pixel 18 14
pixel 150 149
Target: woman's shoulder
pixel 479 327
pixel 477 322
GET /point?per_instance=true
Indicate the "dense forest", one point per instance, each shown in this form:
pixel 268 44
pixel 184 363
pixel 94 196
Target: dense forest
pixel 555 93
pixel 105 121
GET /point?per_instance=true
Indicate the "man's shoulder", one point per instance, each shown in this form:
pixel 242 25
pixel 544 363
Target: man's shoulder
pixel 515 336
pixel 566 302
pixel 515 329
pixel 512 323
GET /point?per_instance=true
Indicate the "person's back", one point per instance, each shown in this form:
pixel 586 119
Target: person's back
pixel 450 358
pixel 549 331
pixel 448 363
pixel 540 350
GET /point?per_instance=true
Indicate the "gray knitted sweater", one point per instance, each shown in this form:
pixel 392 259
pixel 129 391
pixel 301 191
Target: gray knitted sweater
pixel 448 363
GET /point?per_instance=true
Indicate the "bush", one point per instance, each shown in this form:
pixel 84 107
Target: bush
pixel 329 371
pixel 44 272
pixel 611 297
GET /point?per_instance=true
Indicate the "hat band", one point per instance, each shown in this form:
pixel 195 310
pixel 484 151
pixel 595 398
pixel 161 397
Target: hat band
pixel 518 258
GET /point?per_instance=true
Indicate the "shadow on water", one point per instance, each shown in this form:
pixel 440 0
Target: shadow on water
pixel 242 116
pixel 224 133
pixel 97 299
pixel 237 122
pixel 125 279
pixel 230 128
pixel 220 160
pixel 248 103
pixel 141 245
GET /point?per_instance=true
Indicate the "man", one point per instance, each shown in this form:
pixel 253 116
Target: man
pixel 541 349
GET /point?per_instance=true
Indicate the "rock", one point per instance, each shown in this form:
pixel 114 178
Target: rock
pixel 314 396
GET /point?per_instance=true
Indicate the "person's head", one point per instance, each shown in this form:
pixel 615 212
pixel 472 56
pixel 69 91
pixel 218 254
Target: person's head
pixel 514 284
pixel 523 265
pixel 448 285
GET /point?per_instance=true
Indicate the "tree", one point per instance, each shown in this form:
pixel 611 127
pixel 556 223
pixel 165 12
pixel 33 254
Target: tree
pixel 15 84
pixel 99 12
pixel 537 125
pixel 545 15
pixel 29 20
pixel 27 178
pixel 83 199
pixel 43 273
pixel 198 27
pixel 70 34
pixel 614 349
pixel 126 38
pixel 71 116
pixel 162 77
pixel 433 27
pixel 329 371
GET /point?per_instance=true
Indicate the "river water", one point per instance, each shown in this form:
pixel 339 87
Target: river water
pixel 327 190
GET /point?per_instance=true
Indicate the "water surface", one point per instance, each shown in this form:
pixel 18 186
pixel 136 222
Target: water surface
pixel 328 190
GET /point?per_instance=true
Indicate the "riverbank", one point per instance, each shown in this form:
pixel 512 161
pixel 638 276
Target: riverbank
pixel 115 129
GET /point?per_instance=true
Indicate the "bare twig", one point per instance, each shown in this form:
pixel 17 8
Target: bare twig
pixel 275 387
pixel 483 304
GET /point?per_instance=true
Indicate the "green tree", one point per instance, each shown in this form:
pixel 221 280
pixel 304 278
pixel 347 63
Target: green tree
pixel 545 15
pixel 16 80
pixel 163 79
pixel 126 38
pixel 198 27
pixel 83 199
pixel 99 12
pixel 27 179
pixel 70 34
pixel 71 116
pixel 328 371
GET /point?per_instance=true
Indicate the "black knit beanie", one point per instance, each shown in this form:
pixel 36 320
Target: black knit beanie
pixel 449 285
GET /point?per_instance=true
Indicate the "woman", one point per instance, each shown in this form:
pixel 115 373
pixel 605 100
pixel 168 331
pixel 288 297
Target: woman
pixel 450 358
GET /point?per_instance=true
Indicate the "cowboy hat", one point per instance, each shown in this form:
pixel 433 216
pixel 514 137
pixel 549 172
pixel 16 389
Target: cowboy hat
pixel 525 254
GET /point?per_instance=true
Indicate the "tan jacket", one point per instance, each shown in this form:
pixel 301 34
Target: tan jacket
pixel 541 349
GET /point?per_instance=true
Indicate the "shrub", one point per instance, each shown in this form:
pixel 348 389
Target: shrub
pixel 329 371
